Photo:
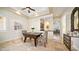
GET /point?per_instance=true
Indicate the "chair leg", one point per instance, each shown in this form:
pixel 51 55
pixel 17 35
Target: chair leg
pixel 25 39
pixel 44 44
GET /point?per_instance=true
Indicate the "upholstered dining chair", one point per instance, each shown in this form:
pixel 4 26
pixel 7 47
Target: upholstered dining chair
pixel 24 31
pixel 42 40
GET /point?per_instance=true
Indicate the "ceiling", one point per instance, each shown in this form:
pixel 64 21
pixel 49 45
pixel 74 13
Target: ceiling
pixel 59 11
pixel 39 11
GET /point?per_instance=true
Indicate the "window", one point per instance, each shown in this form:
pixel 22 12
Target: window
pixel 2 23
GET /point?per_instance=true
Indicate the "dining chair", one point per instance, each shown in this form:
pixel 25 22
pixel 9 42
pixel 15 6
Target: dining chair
pixel 23 33
pixel 42 40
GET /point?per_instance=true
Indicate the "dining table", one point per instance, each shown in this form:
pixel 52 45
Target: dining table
pixel 32 35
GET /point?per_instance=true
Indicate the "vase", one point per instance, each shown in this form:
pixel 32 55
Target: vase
pixel 32 30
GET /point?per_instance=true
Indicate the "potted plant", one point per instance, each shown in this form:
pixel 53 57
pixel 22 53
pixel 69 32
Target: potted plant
pixel 32 29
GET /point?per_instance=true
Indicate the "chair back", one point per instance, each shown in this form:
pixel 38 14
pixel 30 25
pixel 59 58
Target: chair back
pixel 24 31
pixel 23 34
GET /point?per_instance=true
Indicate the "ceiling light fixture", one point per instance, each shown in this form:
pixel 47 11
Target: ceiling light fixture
pixel 28 9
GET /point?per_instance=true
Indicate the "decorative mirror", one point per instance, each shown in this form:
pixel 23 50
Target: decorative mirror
pixel 75 19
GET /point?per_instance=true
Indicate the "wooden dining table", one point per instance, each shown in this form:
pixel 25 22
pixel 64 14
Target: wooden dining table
pixel 31 35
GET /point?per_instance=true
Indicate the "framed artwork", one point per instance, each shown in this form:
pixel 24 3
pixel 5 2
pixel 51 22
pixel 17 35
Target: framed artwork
pixel 17 26
pixel 41 24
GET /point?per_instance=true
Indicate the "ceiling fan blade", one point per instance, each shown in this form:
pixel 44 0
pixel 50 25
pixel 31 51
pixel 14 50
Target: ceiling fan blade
pixel 23 8
pixel 28 8
pixel 31 9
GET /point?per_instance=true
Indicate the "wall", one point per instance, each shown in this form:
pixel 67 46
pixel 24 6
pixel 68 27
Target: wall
pixel 75 41
pixel 66 21
pixel 57 26
pixel 35 22
pixel 57 23
pixel 63 24
pixel 66 27
pixel 9 35
pixel 11 17
pixel 2 23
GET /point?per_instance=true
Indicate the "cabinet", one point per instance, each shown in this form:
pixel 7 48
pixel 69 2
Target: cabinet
pixel 75 42
pixel 71 42
pixel 67 41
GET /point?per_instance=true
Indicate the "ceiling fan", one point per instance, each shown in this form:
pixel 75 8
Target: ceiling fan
pixel 29 9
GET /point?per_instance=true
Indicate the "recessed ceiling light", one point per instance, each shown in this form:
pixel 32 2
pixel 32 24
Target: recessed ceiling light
pixel 36 14
pixel 18 12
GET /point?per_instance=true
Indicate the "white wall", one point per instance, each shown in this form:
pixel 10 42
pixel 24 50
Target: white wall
pixel 66 27
pixel 75 40
pixel 68 19
pixel 66 22
pixel 9 35
pixel 63 24
pixel 2 23
pixel 57 23
pixel 11 17
pixel 35 22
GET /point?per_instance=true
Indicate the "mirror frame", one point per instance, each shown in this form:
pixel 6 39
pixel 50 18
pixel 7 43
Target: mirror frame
pixel 72 19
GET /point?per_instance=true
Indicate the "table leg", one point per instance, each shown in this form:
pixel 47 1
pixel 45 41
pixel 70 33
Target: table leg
pixel 44 44
pixel 35 40
pixel 25 39
pixel 30 38
pixel 46 33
